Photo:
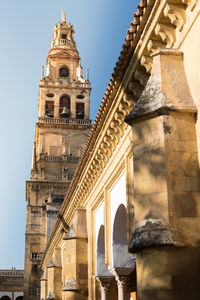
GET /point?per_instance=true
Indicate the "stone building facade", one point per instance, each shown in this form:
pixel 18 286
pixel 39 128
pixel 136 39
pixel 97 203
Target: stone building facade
pixel 60 134
pixel 12 284
pixel 132 208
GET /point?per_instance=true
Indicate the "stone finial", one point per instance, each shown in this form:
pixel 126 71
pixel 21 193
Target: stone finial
pixel 63 16
pixel 87 78
pixel 33 167
pixel 42 72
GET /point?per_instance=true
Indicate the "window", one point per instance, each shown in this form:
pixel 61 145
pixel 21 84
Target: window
pixel 50 95
pixel 65 106
pixel 80 110
pixel 49 109
pixel 64 72
pixel 63 36
pixel 80 96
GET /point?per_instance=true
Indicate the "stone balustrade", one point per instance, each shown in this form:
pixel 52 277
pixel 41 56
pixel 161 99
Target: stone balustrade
pixel 64 82
pixel 64 121
pixel 12 273
pixel 68 158
pixel 36 256
pixel 63 41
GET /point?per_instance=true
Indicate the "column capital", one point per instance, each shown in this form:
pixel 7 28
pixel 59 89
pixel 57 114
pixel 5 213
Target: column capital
pixel 104 281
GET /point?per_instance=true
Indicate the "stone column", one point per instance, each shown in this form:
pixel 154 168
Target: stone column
pixel 104 283
pixel 166 184
pixel 121 275
pixel 121 285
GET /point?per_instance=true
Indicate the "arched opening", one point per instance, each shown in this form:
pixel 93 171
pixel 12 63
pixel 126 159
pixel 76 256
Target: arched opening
pixel 121 257
pixel 20 298
pixel 5 298
pixel 64 72
pixel 102 268
pixel 65 106
pixel 80 110
pixel 103 275
pixel 49 109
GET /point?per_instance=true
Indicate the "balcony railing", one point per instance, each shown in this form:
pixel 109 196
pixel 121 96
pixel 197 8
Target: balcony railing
pixel 63 41
pixel 12 273
pixel 67 158
pixel 36 256
pixel 64 121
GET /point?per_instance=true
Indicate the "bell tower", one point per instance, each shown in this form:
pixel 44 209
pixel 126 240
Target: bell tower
pixel 60 134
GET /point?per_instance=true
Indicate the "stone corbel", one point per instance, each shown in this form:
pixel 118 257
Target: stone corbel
pixel 124 108
pixel 130 99
pixel 119 117
pixel 147 62
pixel 141 76
pixel 153 45
pixel 176 14
pixel 118 132
pixel 134 86
pixel 107 139
pixel 106 150
pixel 97 166
pixel 166 33
pixel 111 134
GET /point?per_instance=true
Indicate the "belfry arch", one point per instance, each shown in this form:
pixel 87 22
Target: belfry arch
pixel 65 102
pixel 64 72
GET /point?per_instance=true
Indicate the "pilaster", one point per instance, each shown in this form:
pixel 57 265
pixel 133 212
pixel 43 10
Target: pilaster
pixel 75 258
pixel 166 183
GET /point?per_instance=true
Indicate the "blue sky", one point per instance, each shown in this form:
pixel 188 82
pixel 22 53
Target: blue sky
pixel 26 29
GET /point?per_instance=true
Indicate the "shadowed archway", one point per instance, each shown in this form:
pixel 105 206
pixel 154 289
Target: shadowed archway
pixel 121 257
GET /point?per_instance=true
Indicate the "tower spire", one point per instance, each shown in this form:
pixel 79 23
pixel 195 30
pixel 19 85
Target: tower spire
pixel 63 16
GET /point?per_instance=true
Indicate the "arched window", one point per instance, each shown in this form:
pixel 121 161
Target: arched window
pixel 64 72
pixel 20 298
pixel 65 106
pixel 5 298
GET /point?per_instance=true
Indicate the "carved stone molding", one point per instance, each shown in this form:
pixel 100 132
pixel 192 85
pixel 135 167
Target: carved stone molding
pixel 147 62
pixel 176 14
pixel 166 33
pixel 135 87
pixel 153 45
pixel 190 3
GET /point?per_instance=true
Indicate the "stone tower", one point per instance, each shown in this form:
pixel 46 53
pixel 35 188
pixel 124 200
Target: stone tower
pixel 60 134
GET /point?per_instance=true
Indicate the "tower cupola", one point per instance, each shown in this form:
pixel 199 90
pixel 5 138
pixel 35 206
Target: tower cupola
pixel 64 93
pixel 63 34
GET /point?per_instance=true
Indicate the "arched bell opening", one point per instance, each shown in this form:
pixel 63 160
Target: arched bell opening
pixel 20 298
pixel 49 109
pixel 121 257
pixel 80 110
pixel 65 106
pixel 5 298
pixel 64 71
